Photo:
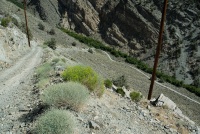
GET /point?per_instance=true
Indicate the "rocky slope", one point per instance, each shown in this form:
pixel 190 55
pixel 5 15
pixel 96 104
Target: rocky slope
pixel 110 114
pixel 132 26
pixel 13 44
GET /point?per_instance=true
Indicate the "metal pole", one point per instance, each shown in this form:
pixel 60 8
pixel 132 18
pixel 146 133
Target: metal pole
pixel 27 31
pixel 158 49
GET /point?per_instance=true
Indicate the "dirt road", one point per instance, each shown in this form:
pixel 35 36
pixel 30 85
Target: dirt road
pixel 15 88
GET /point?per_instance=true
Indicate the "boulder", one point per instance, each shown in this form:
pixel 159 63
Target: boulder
pixel 127 92
pixel 164 101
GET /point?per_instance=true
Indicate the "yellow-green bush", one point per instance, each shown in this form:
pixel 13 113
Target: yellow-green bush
pixel 71 95
pixel 55 122
pixel 83 74
pixel 87 76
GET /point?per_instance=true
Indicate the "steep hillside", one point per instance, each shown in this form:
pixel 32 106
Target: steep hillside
pixel 132 26
pixel 24 82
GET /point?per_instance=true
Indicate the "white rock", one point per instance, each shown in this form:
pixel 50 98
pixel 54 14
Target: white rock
pixel 165 101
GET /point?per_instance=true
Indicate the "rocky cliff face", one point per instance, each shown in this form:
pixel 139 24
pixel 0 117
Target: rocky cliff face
pixel 133 26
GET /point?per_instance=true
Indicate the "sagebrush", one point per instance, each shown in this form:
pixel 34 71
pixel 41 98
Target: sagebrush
pixel 55 122
pixel 70 95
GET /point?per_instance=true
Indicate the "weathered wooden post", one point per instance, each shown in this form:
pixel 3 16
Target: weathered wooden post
pixel 158 48
pixel 27 31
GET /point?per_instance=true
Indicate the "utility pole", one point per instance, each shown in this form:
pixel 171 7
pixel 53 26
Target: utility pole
pixel 158 48
pixel 27 31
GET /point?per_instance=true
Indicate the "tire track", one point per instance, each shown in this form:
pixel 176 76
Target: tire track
pixel 13 79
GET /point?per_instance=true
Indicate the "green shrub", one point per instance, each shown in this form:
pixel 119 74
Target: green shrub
pixel 120 91
pixel 41 26
pixel 71 95
pixel 52 32
pixel 55 122
pixel 108 83
pixel 135 96
pixel 84 74
pixel 5 21
pixel 120 81
pixel 51 43
pixel 74 44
